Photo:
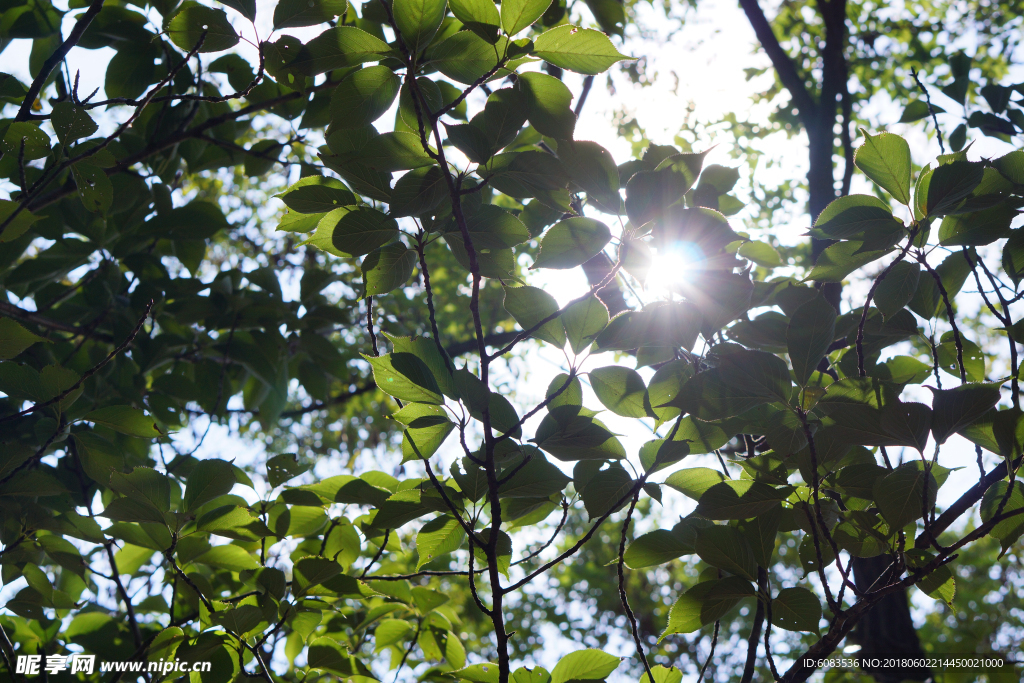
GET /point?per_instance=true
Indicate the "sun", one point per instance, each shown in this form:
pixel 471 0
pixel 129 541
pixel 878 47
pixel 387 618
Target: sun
pixel 674 264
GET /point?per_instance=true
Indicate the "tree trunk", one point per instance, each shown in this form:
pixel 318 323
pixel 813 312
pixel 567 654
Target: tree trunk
pixel 886 631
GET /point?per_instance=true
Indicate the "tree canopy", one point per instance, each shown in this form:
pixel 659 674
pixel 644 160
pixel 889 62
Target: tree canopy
pixel 338 245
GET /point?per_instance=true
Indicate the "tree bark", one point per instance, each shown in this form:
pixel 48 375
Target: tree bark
pixel 886 631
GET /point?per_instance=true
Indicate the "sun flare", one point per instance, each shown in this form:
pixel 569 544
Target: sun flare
pixel 674 265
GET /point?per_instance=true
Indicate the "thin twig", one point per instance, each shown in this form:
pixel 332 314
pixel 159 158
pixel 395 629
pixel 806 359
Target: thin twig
pixel 380 551
pixel 714 642
pixel 931 109
pixel 957 340
pixel 622 589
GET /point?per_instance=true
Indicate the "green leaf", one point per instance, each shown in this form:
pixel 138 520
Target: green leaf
pixel 536 479
pixel 328 654
pixel 977 228
pixel 207 480
pixel 897 289
pixel 584 665
pixel 582 50
pixel 940 190
pixel 955 409
pixel 903 370
pixel 867 411
pixel 388 268
pixel 398 151
pixel 427 426
pixel 899 494
pixel 193 20
pixel 857 216
pixel 124 419
pixel 405 377
pixel 71 123
pixel 438 537
pixel 536 675
pixel 478 673
pixel 247 8
pixel 144 485
pixel 14 338
pixel 363 97
pixel 19 225
pixel 796 609
pixel 569 435
pixel 312 571
pixel 420 191
pixel 761 253
pixel 230 557
pixel 1008 530
pixel 650 193
pixel 572 395
pixel 471 140
pixel 426 350
pixel 340 47
pixel 317 194
pixel 654 548
pixel 917 110
pixel 400 509
pixel 296 13
pixel 756 373
pixel 885 159
pixel 760 533
pixel 94 187
pixel 685 614
pixel 233 521
pixel 666 384
pixel 491 227
pixel 196 220
pixel 953 272
pixel 737 499
pixel 724 547
pixel 606 490
pixel 359 230
pixel 839 260
pixel 37 143
pixel 592 167
pixel 621 390
pixel 1013 256
pixel 531 174
pixel 528 306
pixel 973 357
pixel 583 321
pixel 418 21
pixel 663 675
pixel 811 330
pixel 493 263
pixel 479 16
pixel 572 242
pixel 466 57
pixel 127 510
pixel 706 603
pixel 549 104
pixel 519 14
pixel 694 481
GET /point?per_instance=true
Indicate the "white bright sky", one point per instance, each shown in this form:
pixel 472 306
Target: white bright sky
pixel 702 64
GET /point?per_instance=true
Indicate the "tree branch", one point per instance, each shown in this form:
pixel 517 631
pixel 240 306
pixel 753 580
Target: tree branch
pixel 56 58
pixel 784 66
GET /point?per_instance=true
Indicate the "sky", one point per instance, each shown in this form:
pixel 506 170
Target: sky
pixel 703 64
